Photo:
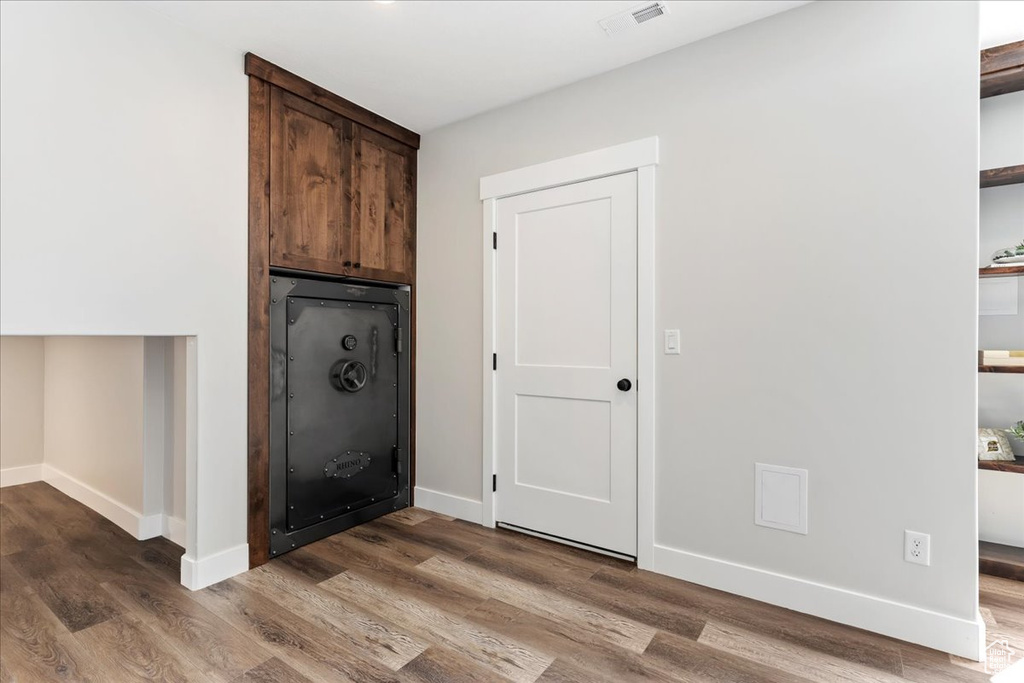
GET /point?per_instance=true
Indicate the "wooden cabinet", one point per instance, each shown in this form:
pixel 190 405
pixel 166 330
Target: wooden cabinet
pixel 342 195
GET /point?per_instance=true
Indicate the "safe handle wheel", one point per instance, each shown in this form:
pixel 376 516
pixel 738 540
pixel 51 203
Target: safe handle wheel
pixel 348 375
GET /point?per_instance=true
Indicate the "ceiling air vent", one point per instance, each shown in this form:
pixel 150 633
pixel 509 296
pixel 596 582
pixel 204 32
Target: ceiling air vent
pixel 631 18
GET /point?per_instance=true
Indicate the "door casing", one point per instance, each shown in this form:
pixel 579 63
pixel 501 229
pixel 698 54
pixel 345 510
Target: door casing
pixel 640 156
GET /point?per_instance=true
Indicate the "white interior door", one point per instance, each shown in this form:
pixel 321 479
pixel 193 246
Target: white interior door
pixel 565 337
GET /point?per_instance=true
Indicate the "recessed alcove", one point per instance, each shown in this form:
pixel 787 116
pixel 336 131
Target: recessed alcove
pixel 107 420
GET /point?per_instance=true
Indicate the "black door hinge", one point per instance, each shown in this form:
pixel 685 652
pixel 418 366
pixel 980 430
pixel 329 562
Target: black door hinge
pixel 396 459
pixel 398 340
pixel 494 483
pixel 494 361
pixel 495 235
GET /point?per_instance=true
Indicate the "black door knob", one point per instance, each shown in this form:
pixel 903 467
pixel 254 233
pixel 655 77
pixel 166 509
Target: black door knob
pixel 624 385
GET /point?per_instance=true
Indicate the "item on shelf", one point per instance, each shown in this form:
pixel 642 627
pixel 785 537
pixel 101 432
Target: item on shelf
pixel 1011 255
pixel 1001 358
pixel 993 445
pixel 1018 429
pixel 1000 353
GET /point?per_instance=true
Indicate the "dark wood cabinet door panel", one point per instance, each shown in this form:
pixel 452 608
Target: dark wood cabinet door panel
pixel 310 158
pixel 383 207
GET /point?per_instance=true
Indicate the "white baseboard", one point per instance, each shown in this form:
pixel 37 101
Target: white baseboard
pixel 150 526
pixel 173 530
pixel 963 637
pixel 197 574
pixel 26 474
pixel 447 504
pixel 139 526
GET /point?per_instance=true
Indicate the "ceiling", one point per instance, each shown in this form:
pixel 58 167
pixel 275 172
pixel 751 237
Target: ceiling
pixel 424 64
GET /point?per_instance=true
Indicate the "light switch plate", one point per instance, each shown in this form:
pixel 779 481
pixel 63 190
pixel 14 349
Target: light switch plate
pixel 672 342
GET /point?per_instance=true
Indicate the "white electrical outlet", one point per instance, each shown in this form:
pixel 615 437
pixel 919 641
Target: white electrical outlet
pixel 917 547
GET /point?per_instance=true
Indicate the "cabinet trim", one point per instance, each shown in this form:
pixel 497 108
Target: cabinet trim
pixel 275 75
pixel 259 322
pixel 315 265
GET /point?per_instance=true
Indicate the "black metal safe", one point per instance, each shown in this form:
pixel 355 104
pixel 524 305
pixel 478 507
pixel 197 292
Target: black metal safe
pixel 339 406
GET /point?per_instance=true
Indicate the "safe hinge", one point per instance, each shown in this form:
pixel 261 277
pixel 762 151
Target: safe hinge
pixel 494 361
pixel 398 340
pixel 494 482
pixel 396 458
pixel 495 236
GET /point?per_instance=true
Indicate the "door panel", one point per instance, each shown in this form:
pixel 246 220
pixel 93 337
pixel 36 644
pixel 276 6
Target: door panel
pixel 556 326
pixel 339 407
pixel 547 427
pixel 310 156
pixel 342 407
pixel 566 322
pixel 383 208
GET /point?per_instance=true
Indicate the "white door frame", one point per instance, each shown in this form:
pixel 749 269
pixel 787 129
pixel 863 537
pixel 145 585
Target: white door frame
pixel 640 156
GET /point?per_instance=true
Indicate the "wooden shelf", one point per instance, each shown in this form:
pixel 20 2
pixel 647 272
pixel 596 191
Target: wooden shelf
pixel 1016 465
pixel 1011 369
pixel 1007 175
pixel 1001 271
pixel 1006 561
pixel 1002 69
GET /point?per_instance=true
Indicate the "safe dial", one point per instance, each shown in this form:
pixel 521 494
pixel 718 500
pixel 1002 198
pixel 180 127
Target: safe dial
pixel 348 342
pixel 348 375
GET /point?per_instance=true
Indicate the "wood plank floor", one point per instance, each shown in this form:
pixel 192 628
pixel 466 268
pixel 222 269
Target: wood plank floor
pixel 411 597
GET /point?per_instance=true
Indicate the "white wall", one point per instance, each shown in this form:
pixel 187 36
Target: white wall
pixel 1000 22
pixel 176 440
pixel 817 246
pixel 124 212
pixel 93 428
pixel 1001 507
pixel 21 407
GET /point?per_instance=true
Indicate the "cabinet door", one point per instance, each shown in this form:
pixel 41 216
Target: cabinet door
pixel 383 207
pixel 310 198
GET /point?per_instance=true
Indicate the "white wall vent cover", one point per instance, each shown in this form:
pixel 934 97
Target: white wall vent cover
pixel 631 18
pixel 780 497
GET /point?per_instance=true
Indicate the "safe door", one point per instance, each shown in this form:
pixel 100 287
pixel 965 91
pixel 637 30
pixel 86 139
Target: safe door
pixel 339 407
